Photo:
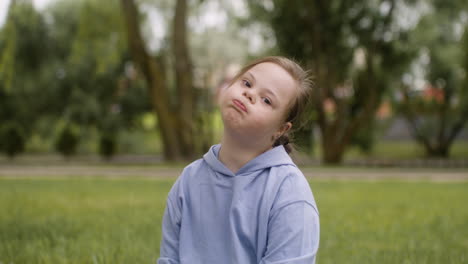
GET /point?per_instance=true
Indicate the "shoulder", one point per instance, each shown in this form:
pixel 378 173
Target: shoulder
pixel 291 177
pixel 193 168
pixel 293 187
pixel 179 192
pixel 186 174
pixel 190 174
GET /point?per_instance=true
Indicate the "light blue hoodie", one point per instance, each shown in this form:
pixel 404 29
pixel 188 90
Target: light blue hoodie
pixel 264 213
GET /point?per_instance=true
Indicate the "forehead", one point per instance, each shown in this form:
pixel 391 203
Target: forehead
pixel 274 78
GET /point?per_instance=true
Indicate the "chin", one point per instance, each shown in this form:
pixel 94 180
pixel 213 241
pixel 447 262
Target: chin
pixel 233 124
pixel 231 114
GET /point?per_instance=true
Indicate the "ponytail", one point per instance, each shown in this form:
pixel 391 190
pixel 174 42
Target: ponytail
pixel 284 140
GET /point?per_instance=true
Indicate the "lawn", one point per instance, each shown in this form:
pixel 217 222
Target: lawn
pixel 96 220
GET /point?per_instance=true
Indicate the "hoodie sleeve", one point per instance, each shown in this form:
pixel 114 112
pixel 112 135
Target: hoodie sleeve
pixel 293 226
pixel 293 235
pixel 169 252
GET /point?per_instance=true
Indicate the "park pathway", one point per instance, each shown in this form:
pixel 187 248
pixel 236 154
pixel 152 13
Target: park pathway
pixel 319 173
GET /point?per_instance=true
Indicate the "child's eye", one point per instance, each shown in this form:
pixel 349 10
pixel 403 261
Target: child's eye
pixel 246 83
pixel 266 101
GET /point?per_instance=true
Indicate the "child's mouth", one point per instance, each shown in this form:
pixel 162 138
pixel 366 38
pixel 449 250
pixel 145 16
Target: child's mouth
pixel 240 105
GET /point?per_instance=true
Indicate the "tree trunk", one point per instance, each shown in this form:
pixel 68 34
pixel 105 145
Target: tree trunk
pixel 337 129
pixel 184 80
pixel 332 151
pixel 338 132
pixel 444 134
pixel 172 124
pixel 440 151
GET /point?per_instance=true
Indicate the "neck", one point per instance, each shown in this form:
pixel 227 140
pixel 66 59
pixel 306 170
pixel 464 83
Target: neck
pixel 234 154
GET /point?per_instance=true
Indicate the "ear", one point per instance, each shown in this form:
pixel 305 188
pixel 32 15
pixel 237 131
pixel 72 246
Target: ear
pixel 283 129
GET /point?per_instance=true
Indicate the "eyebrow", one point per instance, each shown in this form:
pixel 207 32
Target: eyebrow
pixel 272 94
pixel 268 91
pixel 251 76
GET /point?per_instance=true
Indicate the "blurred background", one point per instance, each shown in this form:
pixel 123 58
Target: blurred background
pixel 103 102
pixel 108 78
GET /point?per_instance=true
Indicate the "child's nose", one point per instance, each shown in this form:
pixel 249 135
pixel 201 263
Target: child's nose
pixel 249 96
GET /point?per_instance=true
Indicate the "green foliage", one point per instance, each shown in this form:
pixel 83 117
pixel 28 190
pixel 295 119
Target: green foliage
pixel 464 83
pixel 97 51
pixel 24 45
pixel 12 139
pixel 67 141
pixel 100 44
pixel 364 138
pixel 112 92
pixel 107 145
pixel 24 50
pixel 119 221
pixel 355 50
pixel 439 112
pixel 69 62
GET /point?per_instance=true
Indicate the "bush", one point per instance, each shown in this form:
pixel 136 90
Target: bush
pixel 12 139
pixel 364 139
pixel 67 141
pixel 107 145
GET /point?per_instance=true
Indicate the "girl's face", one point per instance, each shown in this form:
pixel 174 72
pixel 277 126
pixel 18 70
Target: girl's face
pixel 255 106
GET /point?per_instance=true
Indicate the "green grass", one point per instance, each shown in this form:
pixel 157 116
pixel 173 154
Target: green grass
pixel 80 220
pixel 94 220
pixel 400 150
pixel 393 222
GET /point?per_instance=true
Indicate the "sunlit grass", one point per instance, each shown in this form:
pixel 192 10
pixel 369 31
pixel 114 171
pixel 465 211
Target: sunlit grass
pixel 118 221
pixel 80 221
pixel 393 222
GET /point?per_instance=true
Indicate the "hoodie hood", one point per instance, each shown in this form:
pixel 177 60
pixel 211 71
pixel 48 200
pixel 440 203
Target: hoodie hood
pixel 276 156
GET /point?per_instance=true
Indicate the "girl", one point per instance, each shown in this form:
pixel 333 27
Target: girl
pixel 246 201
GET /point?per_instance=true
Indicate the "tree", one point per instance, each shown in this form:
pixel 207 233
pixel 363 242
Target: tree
pixel 354 49
pixel 24 50
pixel 74 69
pixel 438 113
pixel 175 113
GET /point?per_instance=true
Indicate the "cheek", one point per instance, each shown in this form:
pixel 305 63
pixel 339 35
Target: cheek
pixel 225 96
pixel 221 98
pixel 269 122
